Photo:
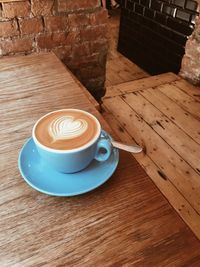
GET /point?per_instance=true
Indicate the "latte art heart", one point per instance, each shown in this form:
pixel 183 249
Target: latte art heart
pixel 67 127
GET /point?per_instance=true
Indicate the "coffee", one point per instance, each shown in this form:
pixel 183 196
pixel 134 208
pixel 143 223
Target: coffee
pixel 66 129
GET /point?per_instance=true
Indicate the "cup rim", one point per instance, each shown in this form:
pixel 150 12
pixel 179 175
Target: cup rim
pixel 83 147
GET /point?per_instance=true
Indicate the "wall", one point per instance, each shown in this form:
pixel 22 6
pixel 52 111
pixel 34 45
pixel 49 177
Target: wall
pixel 190 68
pixel 153 33
pixel 75 30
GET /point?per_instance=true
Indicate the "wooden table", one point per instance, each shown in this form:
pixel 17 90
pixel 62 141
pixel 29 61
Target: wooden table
pixel 125 222
pixel 162 113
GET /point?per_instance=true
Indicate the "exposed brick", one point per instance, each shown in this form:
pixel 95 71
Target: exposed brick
pixel 91 72
pixel 41 7
pixel 31 25
pixel 77 20
pixel 190 70
pixel 8 28
pixel 190 67
pixel 72 5
pixel 196 32
pixel 80 50
pixel 99 46
pixel 50 41
pixel 16 9
pixel 64 53
pixel 73 37
pixel 102 58
pixel 77 34
pixel 197 20
pixel 84 61
pixel 55 23
pixel 93 33
pixel 99 17
pixel 193 49
pixel 15 46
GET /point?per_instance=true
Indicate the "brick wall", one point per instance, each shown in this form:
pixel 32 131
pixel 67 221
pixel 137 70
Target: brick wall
pixel 190 67
pixel 75 30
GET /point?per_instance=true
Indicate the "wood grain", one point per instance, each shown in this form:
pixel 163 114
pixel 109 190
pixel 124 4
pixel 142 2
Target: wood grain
pixel 141 84
pixel 165 127
pixel 166 186
pixel 158 149
pixel 174 112
pixel 189 89
pixel 125 222
pixel 163 119
pixel 187 102
pixel 8 1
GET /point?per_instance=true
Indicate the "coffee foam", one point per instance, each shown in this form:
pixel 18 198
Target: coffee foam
pixel 66 129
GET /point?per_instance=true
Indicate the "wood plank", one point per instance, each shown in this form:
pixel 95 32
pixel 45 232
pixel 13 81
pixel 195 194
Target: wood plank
pixel 7 1
pixel 126 76
pixel 132 68
pixel 148 82
pixel 111 75
pixel 174 112
pixel 173 166
pixel 108 83
pixel 188 88
pixel 175 198
pixel 188 103
pixel 183 144
pixel 126 72
pixel 33 84
pixel 111 91
pixel 119 69
pixel 141 84
pixel 130 65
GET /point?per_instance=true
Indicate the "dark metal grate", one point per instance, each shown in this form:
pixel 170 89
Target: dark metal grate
pixel 153 33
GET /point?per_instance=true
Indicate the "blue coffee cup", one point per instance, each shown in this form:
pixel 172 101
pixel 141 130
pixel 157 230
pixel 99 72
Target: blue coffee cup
pixel 75 160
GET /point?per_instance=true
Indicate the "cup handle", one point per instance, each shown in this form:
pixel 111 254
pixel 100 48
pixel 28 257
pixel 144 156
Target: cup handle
pixel 104 149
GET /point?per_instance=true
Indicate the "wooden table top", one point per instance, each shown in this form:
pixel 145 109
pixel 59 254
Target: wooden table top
pixel 125 222
pixel 162 113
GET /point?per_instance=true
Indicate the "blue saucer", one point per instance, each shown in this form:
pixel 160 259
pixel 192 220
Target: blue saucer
pixel 43 178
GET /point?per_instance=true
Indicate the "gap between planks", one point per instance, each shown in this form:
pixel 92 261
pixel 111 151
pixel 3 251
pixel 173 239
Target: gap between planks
pixel 157 175
pixel 157 112
pixel 140 84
